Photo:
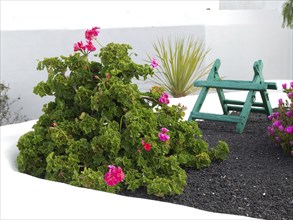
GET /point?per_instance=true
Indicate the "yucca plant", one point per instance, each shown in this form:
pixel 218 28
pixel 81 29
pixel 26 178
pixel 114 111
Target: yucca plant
pixel 180 64
pixel 287 13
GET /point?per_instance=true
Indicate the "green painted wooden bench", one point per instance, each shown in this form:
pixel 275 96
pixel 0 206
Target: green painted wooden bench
pixel 249 105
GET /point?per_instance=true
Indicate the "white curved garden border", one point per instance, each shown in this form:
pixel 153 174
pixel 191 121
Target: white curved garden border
pixel 27 197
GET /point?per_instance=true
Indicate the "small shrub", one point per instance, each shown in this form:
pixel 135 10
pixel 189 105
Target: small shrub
pixel 180 63
pixel 6 116
pixel 282 122
pixel 102 133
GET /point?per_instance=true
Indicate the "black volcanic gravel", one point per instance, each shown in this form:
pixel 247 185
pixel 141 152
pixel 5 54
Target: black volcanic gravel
pixel 255 180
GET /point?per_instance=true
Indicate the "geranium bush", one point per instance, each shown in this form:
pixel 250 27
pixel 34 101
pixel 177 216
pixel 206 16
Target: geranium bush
pixel 102 133
pixel 281 129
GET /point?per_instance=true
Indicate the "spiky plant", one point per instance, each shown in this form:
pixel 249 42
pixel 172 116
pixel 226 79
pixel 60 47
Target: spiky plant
pixel 287 13
pixel 180 64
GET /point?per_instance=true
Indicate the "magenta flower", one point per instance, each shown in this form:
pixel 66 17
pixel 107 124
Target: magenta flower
pixel 280 102
pixel 289 130
pixel 291 84
pixel 281 128
pixel 164 98
pixel 114 176
pixel 154 63
pixel 270 117
pixel 90 47
pixel 271 130
pixel 284 86
pixel 277 124
pixel 290 95
pixel 278 139
pixel 79 46
pixel 163 137
pixel 288 114
pixel 276 115
pixel 164 130
pixel 93 33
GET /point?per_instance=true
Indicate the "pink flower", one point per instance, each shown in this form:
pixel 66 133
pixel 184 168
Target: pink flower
pixel 271 130
pixel 278 139
pixel 288 114
pixel 290 95
pixel 289 130
pixel 93 33
pixel 54 124
pixel 146 146
pixel 164 98
pixel 270 117
pixel 277 123
pixel 163 137
pixel 114 176
pixel 164 130
pixel 90 47
pixel 154 63
pixel 281 128
pixel 79 46
pixel 284 86
pixel 276 115
pixel 291 84
pixel 280 102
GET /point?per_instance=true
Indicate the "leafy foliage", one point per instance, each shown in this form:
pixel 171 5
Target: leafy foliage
pixel 287 13
pixel 180 64
pixel 99 118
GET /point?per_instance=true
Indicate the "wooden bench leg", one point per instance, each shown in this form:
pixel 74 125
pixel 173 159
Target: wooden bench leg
pixel 199 102
pixel 250 99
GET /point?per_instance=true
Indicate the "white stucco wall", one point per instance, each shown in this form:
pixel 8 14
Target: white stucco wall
pixel 238 38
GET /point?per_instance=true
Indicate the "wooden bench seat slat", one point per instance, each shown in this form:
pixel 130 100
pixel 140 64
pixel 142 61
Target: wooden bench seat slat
pixel 229 85
pixel 235 102
pixel 217 117
pixel 240 108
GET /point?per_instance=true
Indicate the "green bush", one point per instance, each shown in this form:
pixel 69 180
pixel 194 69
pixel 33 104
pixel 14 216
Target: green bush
pixel 99 118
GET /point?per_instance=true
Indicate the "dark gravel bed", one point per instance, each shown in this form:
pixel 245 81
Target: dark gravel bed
pixel 256 180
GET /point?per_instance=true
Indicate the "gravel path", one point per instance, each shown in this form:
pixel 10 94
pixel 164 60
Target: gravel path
pixel 256 180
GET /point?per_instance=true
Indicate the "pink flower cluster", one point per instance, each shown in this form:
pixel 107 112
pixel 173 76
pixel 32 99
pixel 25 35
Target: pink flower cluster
pixel 281 129
pixel 92 34
pixel 164 98
pixel 154 63
pixel 163 135
pixel 288 90
pixel 146 146
pixel 88 47
pixel 114 175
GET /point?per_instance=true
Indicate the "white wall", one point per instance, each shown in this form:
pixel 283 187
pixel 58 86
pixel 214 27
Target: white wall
pixel 249 4
pixel 238 38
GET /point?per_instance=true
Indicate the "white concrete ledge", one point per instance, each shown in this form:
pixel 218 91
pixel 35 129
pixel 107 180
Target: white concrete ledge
pixel 27 197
